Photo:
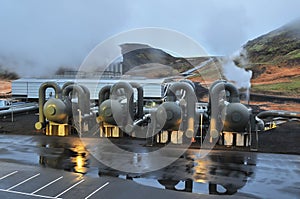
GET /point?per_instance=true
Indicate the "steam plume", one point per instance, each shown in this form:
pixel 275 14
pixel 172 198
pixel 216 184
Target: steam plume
pixel 239 75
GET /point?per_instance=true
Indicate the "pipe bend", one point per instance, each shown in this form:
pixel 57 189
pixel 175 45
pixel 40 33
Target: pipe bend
pixel 53 85
pixel 83 102
pixel 223 85
pixel 190 101
pixel 214 105
pixel 180 86
pixel 128 93
pixel 104 93
pixel 67 84
pixel 42 98
pixel 119 85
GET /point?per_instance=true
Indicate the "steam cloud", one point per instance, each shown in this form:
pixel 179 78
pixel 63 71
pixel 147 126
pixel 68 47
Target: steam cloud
pixel 238 75
pixel 38 37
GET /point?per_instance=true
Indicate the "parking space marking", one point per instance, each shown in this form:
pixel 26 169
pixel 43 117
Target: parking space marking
pixel 23 182
pixel 97 190
pixel 47 185
pixel 33 194
pixel 28 194
pixel 12 173
pixel 69 188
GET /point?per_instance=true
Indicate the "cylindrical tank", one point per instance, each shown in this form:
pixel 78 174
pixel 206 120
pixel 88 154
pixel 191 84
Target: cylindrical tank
pixel 56 110
pixel 236 117
pixel 168 116
pixel 106 114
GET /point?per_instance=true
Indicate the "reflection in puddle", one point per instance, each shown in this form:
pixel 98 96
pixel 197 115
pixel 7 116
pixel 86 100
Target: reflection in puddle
pixel 63 156
pixel 261 175
pixel 220 172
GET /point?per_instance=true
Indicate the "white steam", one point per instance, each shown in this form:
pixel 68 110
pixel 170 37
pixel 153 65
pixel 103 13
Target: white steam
pixel 238 75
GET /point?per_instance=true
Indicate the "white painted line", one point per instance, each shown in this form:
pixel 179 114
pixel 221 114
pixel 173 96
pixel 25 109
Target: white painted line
pixel 47 185
pixel 23 182
pixel 97 190
pixel 12 173
pixel 28 194
pixel 69 188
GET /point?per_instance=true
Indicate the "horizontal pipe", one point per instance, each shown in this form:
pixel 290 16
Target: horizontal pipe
pixel 15 109
pixel 278 113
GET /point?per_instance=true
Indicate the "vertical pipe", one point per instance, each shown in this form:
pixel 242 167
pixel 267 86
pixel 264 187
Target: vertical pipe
pixel 190 103
pixel 42 98
pixel 104 93
pixel 214 105
pixel 127 119
pixel 140 103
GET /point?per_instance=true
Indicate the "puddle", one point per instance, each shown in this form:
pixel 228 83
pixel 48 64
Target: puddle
pixel 220 172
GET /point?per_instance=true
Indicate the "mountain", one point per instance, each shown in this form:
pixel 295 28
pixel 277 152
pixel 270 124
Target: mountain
pixel 281 46
pixel 145 56
pixel 274 59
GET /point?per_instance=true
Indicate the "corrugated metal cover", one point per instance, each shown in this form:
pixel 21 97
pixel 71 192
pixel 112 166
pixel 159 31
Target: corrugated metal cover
pixel 29 87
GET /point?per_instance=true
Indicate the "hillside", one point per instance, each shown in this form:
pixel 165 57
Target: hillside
pixel 274 59
pixel 141 55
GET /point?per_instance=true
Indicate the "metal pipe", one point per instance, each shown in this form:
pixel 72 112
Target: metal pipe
pixel 190 100
pixel 67 84
pixel 214 104
pixel 86 91
pixel 128 93
pixel 140 102
pixel 278 113
pixel 234 93
pixel 42 98
pixel 83 102
pixel 19 109
pixel 104 93
pixel 87 98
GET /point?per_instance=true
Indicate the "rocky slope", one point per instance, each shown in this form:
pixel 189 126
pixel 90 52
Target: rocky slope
pixel 274 59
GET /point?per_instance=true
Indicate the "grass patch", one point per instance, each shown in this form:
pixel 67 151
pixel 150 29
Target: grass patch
pixel 293 55
pixel 291 88
pixel 257 47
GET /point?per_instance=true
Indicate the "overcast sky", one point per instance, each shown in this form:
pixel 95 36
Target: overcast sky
pixel 39 34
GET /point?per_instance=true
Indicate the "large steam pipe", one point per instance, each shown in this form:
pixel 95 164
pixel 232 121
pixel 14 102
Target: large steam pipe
pixel 278 113
pixel 19 109
pixel 191 100
pixel 140 102
pixel 216 88
pixel 86 92
pixel 223 85
pixel 83 101
pixel 42 98
pixel 85 89
pixel 128 93
pixel 104 93
pixel 67 84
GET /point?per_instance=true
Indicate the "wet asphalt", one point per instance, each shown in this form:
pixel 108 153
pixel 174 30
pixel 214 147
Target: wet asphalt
pixel 61 167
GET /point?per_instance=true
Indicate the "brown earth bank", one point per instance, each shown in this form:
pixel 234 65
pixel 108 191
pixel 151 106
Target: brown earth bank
pixel 270 74
pixel 5 88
